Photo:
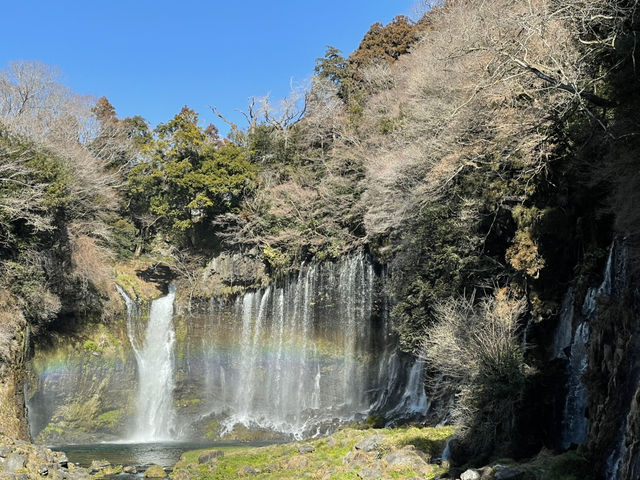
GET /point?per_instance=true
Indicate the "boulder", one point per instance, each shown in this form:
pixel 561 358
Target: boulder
pixel 470 474
pixel 209 456
pixel 358 458
pixel 61 459
pixel 154 471
pixel 98 466
pixel 248 470
pixel 370 473
pixel 5 451
pixel 306 449
pixel 298 462
pixel 15 462
pixel 371 443
pixel 407 458
pixel 130 469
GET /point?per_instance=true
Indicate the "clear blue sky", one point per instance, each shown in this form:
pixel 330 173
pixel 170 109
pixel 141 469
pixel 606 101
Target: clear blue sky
pixel 150 58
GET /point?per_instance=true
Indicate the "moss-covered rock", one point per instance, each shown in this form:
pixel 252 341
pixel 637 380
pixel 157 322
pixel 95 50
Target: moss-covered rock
pixel 155 471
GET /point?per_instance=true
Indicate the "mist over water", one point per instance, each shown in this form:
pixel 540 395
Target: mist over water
pixel 303 356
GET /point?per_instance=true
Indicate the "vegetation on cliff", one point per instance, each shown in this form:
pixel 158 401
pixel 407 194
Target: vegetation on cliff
pixel 487 154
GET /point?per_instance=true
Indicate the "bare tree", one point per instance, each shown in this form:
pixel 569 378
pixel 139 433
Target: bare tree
pixel 477 356
pixel 35 105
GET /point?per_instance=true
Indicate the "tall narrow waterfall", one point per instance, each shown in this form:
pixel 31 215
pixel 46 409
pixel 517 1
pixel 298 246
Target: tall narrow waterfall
pixel 155 415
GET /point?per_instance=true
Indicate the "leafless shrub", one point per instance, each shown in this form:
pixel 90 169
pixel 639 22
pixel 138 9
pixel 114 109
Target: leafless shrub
pixel 476 354
pixel 25 200
pixel 35 105
pixel 90 262
pixel 378 77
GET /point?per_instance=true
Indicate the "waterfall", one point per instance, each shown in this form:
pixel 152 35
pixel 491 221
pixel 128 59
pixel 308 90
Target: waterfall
pixel 294 359
pixel 155 414
pixel 298 357
pixel 574 422
pixel 564 331
pixel 414 399
pixel 623 460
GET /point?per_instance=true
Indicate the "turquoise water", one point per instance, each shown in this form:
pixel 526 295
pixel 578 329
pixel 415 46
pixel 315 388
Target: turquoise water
pixel 139 454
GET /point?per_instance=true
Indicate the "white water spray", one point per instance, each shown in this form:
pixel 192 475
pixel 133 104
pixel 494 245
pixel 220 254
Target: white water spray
pixel 155 414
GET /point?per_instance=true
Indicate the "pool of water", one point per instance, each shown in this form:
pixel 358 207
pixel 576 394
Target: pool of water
pixel 139 454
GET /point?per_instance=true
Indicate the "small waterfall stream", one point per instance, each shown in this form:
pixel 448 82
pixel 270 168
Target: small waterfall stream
pixel 574 422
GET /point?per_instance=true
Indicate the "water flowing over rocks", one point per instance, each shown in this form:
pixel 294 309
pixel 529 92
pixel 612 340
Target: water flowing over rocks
pixel 293 359
pixel 614 370
pixel 601 342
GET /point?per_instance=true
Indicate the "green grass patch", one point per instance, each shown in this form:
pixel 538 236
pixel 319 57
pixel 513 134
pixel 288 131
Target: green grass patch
pixel 283 461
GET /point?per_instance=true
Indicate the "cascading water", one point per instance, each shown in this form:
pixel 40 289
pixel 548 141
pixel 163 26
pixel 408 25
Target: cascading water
pixel 414 399
pixel 291 360
pixel 623 460
pixel 299 357
pixel 155 415
pixel 574 421
pixel 306 355
pixel 564 331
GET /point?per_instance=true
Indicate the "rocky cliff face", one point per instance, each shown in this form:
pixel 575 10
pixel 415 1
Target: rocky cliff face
pixel 12 349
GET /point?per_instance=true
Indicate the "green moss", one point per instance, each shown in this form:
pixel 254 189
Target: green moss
pixel 155 471
pixel 191 404
pixel 569 466
pixel 375 421
pixel 283 461
pixel 110 419
pixel 429 440
pixel 90 346
pixel 212 429
pixel 180 329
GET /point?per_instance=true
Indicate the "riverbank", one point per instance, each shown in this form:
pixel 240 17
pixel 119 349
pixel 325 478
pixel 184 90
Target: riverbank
pixel 372 454
pixel 348 453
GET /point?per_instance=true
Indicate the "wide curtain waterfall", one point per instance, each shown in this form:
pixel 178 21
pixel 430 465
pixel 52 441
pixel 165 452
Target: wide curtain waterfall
pixel 297 356
pixel 294 359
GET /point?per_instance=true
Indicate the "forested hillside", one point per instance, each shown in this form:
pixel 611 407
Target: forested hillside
pixel 486 155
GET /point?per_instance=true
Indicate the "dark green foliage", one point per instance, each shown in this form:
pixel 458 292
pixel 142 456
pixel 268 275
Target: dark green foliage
pixel 186 180
pixel 124 237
